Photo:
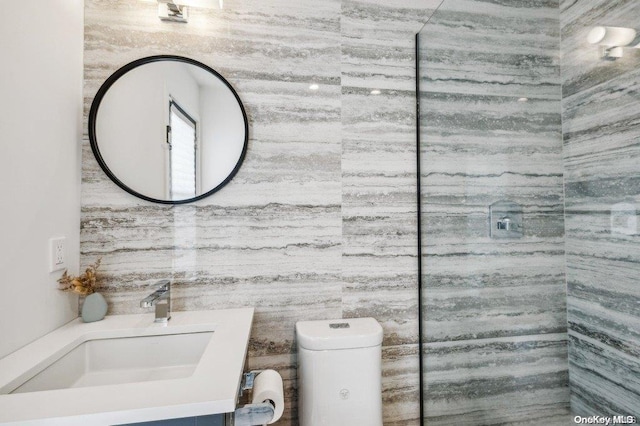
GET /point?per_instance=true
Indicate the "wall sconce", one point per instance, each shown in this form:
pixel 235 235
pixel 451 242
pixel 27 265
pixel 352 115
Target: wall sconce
pixel 178 10
pixel 612 39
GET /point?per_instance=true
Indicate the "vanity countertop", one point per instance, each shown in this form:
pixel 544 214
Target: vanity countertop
pixel 212 389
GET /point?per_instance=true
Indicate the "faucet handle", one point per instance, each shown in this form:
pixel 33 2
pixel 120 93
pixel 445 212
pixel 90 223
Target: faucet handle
pixel 161 299
pixel 163 285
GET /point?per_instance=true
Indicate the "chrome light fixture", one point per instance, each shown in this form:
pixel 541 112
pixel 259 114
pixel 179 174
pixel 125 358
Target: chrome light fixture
pixel 178 10
pixel 612 40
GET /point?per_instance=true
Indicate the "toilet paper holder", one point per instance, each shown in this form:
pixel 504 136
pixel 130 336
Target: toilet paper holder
pixel 256 413
pixel 247 380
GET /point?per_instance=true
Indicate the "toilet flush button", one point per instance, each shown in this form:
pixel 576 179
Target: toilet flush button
pixel 344 394
pixel 340 325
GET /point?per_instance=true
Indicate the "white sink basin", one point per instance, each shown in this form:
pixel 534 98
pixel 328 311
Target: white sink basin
pixel 124 360
pixel 127 369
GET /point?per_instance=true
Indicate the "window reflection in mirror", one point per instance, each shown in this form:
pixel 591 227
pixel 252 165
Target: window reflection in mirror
pixel 182 142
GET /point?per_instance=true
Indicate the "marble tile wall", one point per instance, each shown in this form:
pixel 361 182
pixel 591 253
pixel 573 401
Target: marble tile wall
pixel 379 261
pixel 320 220
pixel 494 310
pixel 601 128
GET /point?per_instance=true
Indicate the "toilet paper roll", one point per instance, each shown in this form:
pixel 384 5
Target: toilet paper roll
pixel 267 386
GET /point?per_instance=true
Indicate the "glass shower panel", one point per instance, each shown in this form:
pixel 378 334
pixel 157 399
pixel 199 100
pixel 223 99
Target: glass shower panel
pixel 494 344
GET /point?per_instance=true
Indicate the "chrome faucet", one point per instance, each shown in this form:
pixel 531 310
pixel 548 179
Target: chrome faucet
pixel 161 299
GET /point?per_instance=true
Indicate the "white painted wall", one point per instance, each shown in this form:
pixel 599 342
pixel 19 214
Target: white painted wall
pixel 40 133
pixel 132 122
pixel 223 138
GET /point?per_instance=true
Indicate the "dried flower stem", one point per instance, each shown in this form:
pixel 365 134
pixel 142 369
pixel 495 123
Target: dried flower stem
pixel 84 284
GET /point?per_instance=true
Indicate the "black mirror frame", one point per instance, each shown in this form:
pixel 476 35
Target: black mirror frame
pixel 95 105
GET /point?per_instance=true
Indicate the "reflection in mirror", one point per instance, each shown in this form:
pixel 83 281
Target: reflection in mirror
pixel 183 164
pixel 168 129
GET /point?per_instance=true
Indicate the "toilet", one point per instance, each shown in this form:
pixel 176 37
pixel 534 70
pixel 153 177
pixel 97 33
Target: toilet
pixel 339 372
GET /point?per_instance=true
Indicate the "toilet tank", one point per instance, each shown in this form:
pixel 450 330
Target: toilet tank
pixel 339 372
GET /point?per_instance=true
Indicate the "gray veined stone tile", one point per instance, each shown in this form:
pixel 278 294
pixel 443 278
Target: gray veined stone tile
pixel 388 296
pixel 603 378
pixel 400 384
pixel 495 311
pixel 379 186
pixel 492 48
pixel 497 381
pixel 378 46
pixel 600 123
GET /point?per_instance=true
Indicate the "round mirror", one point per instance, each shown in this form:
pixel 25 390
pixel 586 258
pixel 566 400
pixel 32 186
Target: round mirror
pixel 168 129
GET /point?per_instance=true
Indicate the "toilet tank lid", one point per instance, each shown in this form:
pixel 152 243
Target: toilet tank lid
pixel 347 333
